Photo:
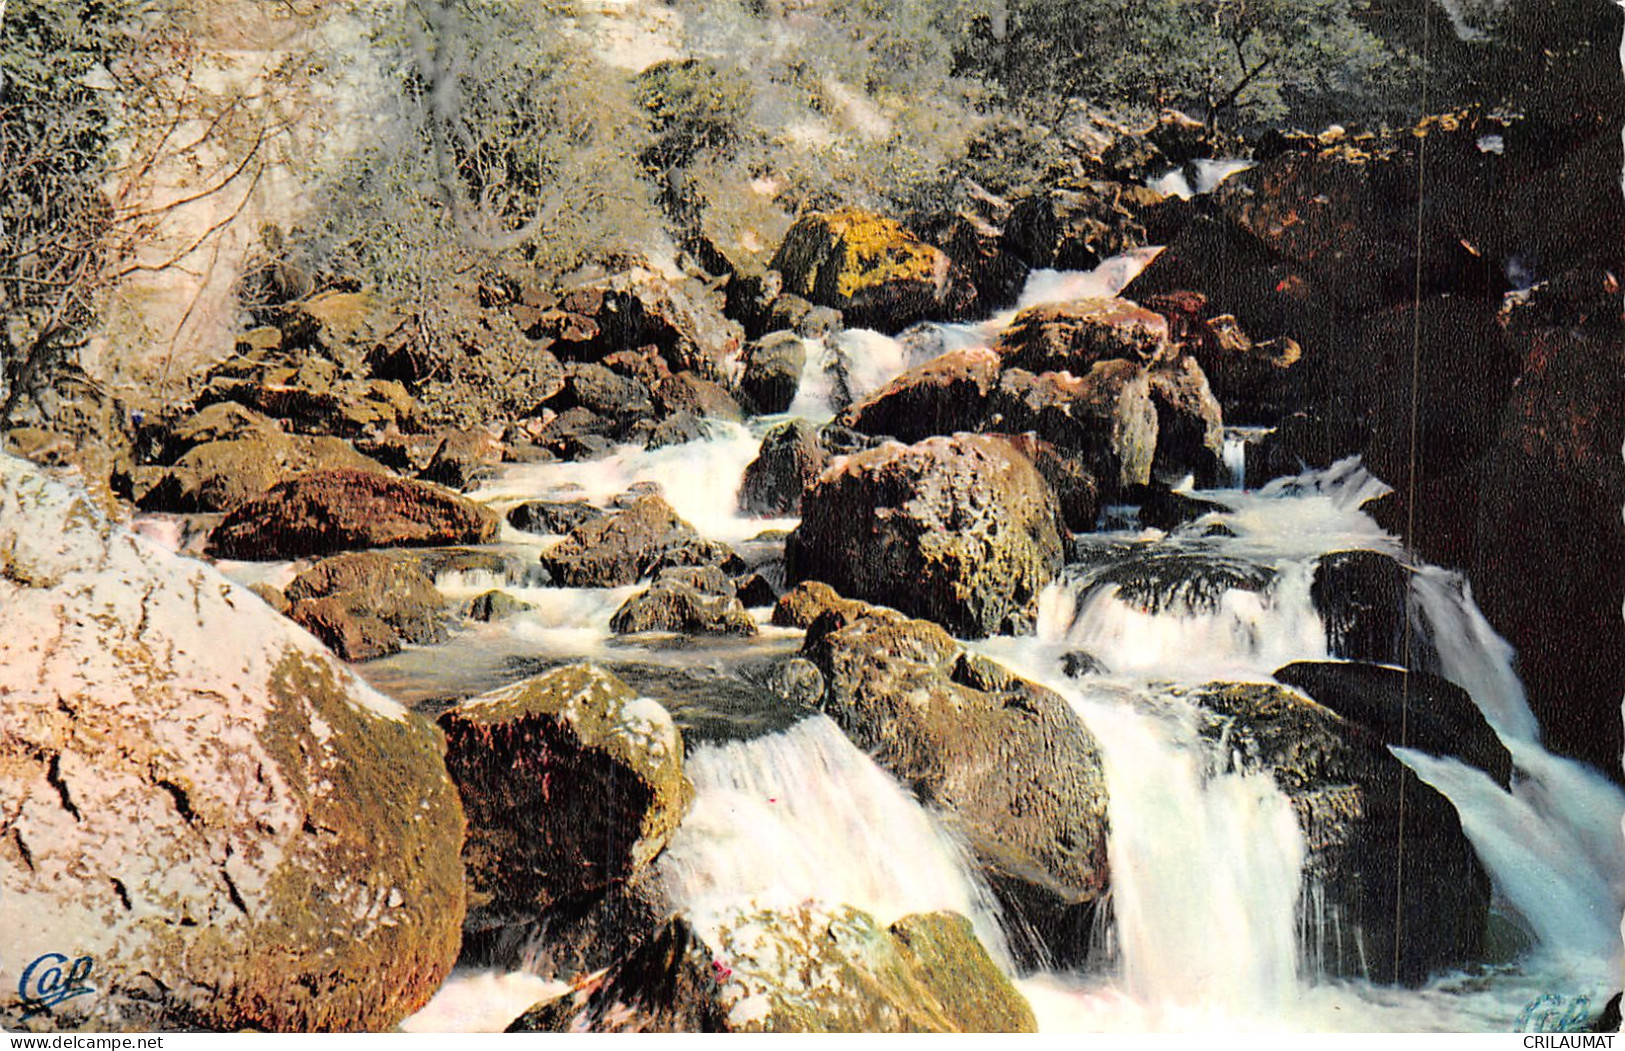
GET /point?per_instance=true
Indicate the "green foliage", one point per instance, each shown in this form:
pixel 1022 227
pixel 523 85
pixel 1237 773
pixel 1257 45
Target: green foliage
pixel 57 125
pixel 694 107
pixel 1228 61
pixel 496 142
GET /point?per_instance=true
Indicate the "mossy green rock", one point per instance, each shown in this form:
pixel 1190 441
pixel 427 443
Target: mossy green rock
pixel 811 970
pixel 571 782
pixel 866 266
pixel 234 830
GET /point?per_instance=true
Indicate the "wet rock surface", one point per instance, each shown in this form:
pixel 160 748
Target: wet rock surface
pixel 327 898
pixel 962 530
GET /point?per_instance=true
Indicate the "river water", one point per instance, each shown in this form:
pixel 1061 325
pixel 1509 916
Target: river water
pixel 1211 924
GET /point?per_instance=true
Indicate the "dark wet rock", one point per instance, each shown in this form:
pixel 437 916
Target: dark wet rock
pixel 689 552
pixel 687 392
pixel 1011 763
pixel 1329 211
pixel 1158 580
pixel 366 604
pixel 496 605
pixel 1405 708
pixel 463 459
pixel 1190 424
pixel 1355 803
pixel 1363 598
pixel 962 530
pixel 638 308
pixel 626 545
pixel 1073 336
pixel 1078 664
pixel 707 579
pixel 571 783
pixel 602 392
pixel 773 367
pixel 329 511
pixel 942 396
pixel 679 428
pixel 579 434
pixel 868 267
pixel 644 365
pixel 553 516
pixel 790 460
pixel 750 292
pixel 925 973
pixel 1075 488
pixel 1074 227
pixel 1269 297
pixel 972 233
pixel 281 840
pixel 792 313
pixel 1162 508
pixel 674 605
pixel 757 589
pixel 1254 380
pixel 223 475
pixel 798 682
pixel 1107 417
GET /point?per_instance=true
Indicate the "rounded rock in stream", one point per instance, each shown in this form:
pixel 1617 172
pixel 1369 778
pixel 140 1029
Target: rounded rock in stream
pixel 207 818
pixel 365 604
pixel 812 969
pixel 962 530
pixel 1013 766
pixel 1364 814
pixel 791 459
pixel 329 511
pixel 571 783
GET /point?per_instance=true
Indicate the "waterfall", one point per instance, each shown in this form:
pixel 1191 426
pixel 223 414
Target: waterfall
pixel 1465 649
pixel 804 815
pixel 1552 846
pixel 1206 869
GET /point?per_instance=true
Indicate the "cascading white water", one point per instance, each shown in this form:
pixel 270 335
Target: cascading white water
pixel 1468 652
pixel 1552 846
pixel 1247 635
pixel 854 363
pixel 803 815
pixel 1565 877
pixel 1206 869
pixel 699 479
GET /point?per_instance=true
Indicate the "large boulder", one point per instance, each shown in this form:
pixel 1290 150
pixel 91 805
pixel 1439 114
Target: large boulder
pixel 1107 417
pixel 868 267
pixel 329 511
pixel 1379 914
pixel 1009 761
pixel 223 837
pixel 1363 599
pixel 815 969
pixel 634 309
pixel 1190 424
pixel 571 783
pixel 1409 709
pixel 677 606
pixel 627 545
pixel 224 474
pixel 790 460
pixel 366 604
pixel 1073 336
pixel 961 530
pixel 946 394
